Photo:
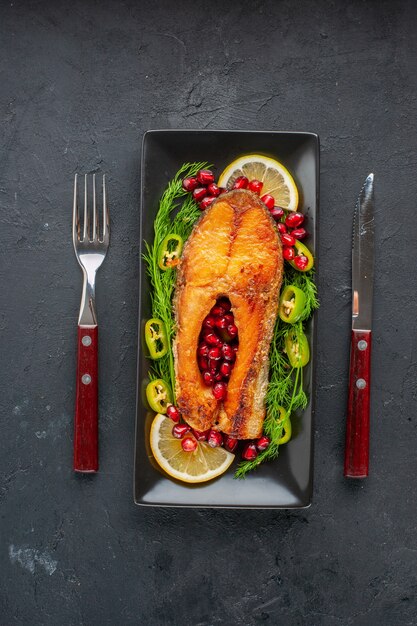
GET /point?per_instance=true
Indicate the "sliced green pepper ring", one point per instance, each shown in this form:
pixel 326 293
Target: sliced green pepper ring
pixel 170 252
pixel 156 338
pixel 291 304
pixel 283 417
pixel 301 248
pixel 158 395
pixel 297 348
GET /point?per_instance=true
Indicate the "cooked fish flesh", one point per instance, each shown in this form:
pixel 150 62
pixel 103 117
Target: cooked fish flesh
pixel 234 251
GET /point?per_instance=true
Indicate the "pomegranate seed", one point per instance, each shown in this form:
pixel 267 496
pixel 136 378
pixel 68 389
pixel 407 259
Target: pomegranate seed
pixel 229 318
pixel 225 304
pixel 288 254
pixel 235 348
pixel 222 322
pixel 180 430
pixel 199 193
pixel 218 377
pixel 263 443
pixel 299 233
pixel 208 379
pixel 214 439
pixel 276 213
pixel 225 369
pixel 217 311
pixel 209 322
pixel 294 220
pixel 205 177
pixel 200 435
pixel 220 391
pixel 189 444
pixel 173 413
pixel 249 452
pixel 222 190
pixel 268 201
pixel 232 330
pixel 202 349
pixel 190 183
pixel 255 186
pixel 212 339
pixel 205 203
pixel 214 366
pixel 241 182
pixel 203 363
pixel 230 443
pixel 228 352
pixel 287 239
pixel 213 190
pixel 215 353
pixel 281 228
pixel 301 261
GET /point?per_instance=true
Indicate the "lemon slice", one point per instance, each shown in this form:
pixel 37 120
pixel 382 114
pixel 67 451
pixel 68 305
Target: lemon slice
pixel 199 466
pixel 277 181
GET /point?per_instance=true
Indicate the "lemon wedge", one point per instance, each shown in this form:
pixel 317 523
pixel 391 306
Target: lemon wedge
pixel 277 180
pixel 205 463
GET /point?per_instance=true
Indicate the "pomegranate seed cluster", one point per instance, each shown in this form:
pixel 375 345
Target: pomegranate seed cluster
pixel 217 346
pixel 214 438
pixel 203 188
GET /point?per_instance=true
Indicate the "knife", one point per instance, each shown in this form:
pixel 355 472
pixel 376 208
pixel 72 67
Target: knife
pixel 357 424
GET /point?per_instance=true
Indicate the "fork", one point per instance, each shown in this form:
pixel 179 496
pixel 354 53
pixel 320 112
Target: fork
pixel 90 244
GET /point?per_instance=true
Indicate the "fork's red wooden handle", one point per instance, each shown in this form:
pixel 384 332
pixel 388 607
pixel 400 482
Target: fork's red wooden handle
pixel 86 402
pixel 357 426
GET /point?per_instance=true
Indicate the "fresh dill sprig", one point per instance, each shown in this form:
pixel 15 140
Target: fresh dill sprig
pixel 163 282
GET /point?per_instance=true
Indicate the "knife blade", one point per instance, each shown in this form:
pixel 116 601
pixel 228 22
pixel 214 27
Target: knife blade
pixel 357 424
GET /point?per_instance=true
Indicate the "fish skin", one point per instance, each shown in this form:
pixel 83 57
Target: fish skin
pixel 233 251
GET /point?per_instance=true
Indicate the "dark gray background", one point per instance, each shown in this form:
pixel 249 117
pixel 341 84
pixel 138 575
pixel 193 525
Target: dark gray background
pixel 80 82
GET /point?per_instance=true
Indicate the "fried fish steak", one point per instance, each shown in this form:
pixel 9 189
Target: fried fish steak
pixel 234 251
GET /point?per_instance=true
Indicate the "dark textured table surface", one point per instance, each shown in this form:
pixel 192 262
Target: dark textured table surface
pixel 80 82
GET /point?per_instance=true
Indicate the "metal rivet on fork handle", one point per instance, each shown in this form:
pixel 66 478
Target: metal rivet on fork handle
pixel 86 340
pixel 86 378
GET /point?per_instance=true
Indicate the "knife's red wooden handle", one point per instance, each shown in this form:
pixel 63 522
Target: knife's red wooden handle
pixel 357 426
pixel 86 402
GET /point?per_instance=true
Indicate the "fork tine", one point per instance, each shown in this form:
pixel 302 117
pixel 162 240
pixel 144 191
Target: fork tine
pixel 86 228
pixel 106 220
pixel 95 221
pixel 75 216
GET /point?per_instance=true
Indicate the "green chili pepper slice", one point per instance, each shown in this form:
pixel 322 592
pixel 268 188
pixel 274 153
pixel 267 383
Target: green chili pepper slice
pixel 287 429
pixel 170 252
pixel 158 395
pixel 291 304
pixel 297 348
pixel 301 248
pixel 156 338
